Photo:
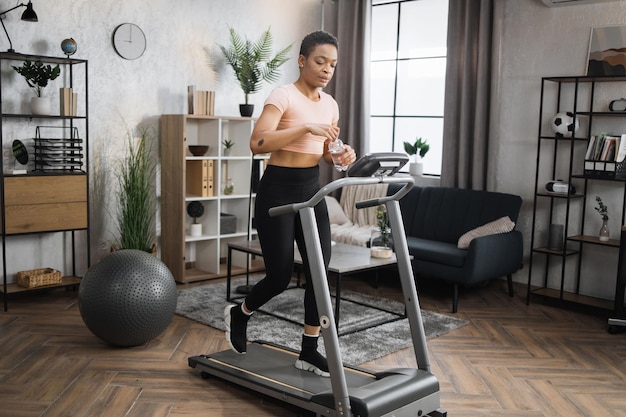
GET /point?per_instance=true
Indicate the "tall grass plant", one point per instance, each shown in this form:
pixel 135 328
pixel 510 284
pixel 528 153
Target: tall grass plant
pixel 136 194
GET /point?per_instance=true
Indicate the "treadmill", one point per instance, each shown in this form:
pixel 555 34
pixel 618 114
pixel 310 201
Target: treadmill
pixel 349 391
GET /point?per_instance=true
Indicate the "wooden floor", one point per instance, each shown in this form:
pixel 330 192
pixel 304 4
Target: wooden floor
pixel 511 360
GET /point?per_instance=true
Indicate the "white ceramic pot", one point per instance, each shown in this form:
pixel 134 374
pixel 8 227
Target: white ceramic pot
pixel 196 229
pixel 40 106
pixel 416 168
pixel 381 252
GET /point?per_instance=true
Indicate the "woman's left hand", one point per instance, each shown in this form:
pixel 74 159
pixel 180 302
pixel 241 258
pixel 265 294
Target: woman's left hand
pixel 349 156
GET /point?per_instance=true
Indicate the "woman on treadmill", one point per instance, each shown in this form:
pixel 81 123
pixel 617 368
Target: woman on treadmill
pixel 296 125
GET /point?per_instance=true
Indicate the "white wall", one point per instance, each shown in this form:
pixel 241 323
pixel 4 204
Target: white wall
pixel 123 94
pixel 538 41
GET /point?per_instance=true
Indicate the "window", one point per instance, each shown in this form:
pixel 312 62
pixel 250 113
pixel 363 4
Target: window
pixel 408 69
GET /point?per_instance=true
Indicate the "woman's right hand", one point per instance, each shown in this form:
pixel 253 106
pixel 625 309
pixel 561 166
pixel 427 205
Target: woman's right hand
pixel 328 131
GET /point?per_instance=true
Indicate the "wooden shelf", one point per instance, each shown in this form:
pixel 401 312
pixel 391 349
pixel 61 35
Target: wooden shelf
pixel 558 195
pixel 548 251
pixel 195 274
pixel 205 253
pixel 67 281
pixel 594 240
pixel 574 298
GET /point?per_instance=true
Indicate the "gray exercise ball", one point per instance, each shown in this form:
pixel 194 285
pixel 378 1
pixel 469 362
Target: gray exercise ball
pixel 128 298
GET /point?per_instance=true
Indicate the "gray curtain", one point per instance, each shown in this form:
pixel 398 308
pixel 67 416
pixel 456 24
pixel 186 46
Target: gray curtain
pixel 468 90
pixel 349 20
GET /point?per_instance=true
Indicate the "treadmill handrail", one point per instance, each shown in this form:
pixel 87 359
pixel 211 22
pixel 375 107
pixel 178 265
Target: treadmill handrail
pixel 344 182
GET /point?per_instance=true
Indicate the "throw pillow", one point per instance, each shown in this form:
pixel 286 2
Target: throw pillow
pixel 335 212
pixel 502 225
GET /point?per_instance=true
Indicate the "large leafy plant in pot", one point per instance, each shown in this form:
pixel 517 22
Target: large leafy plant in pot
pixel 37 75
pixel 136 204
pixel 253 63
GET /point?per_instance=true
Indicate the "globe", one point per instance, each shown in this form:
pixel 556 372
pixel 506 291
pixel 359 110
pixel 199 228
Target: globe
pixel 68 46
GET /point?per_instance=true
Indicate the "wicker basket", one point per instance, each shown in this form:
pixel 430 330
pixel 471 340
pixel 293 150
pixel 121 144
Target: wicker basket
pixel 39 277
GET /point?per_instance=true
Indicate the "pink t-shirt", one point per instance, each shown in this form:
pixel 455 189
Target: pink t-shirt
pixel 298 109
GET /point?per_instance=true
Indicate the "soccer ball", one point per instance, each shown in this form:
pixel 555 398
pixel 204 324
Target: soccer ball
pixel 565 124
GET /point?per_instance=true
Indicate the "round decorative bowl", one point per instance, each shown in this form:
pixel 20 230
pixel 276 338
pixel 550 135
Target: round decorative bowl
pixel 198 150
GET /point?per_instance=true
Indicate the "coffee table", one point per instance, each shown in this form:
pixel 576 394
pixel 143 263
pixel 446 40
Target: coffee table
pixel 345 259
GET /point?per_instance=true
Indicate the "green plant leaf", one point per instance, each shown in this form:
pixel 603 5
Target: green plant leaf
pixel 252 62
pixel 37 74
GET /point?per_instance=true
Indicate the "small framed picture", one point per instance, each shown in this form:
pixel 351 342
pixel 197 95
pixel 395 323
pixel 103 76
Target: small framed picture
pixel 607 51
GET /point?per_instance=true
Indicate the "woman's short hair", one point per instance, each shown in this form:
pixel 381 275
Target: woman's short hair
pixel 313 39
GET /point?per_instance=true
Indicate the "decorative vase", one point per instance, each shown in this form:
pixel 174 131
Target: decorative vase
pixel 379 245
pixel 416 168
pixel 246 110
pixel 226 151
pixel 40 106
pixel 229 186
pixel 196 229
pixel 604 231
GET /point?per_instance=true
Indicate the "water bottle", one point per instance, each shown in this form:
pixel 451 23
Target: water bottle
pixel 336 151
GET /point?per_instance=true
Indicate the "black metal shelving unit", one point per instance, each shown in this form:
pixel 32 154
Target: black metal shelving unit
pixel 559 157
pixel 46 165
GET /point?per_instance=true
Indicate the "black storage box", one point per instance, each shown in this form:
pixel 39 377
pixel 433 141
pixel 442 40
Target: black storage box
pixel 228 223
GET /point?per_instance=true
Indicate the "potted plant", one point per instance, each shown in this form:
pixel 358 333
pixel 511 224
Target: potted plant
pixel 136 205
pixel 604 234
pixel 228 144
pixel 380 239
pixel 195 209
pixel 253 64
pixel 37 75
pixel 417 150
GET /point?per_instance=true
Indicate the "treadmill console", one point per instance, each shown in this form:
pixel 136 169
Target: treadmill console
pixel 379 164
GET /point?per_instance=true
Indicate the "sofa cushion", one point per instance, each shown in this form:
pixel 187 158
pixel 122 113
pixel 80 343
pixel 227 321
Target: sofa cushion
pixel 502 225
pixel 443 253
pixel 444 214
pixel 335 212
pixel 351 234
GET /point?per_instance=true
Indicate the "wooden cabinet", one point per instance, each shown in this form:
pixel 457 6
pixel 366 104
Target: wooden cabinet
pixel 52 196
pixel 565 268
pixel 227 212
pixel 45 203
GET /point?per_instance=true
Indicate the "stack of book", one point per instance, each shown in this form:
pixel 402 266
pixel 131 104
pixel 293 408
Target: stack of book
pixel 605 156
pixel 200 102
pixel 68 102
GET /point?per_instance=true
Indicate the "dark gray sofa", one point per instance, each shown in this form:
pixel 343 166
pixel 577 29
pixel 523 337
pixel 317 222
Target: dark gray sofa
pixel 434 219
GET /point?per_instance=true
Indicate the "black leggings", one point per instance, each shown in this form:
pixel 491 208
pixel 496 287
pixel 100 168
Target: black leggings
pixel 278 186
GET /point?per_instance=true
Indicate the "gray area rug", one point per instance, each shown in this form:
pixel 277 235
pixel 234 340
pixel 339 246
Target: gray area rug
pixel 370 340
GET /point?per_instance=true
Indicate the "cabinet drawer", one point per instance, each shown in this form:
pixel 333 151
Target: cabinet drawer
pixel 45 189
pixel 45 217
pixel 43 204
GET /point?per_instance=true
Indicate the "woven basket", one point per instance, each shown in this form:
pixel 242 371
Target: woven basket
pixel 39 277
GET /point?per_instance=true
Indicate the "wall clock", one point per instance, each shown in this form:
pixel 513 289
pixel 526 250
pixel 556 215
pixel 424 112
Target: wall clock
pixel 129 41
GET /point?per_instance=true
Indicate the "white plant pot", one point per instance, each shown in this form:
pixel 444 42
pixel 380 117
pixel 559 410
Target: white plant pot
pixel 381 252
pixel 40 106
pixel 196 229
pixel 416 168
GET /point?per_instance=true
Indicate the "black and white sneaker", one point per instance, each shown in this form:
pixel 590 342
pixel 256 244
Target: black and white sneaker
pixel 236 326
pixel 313 361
